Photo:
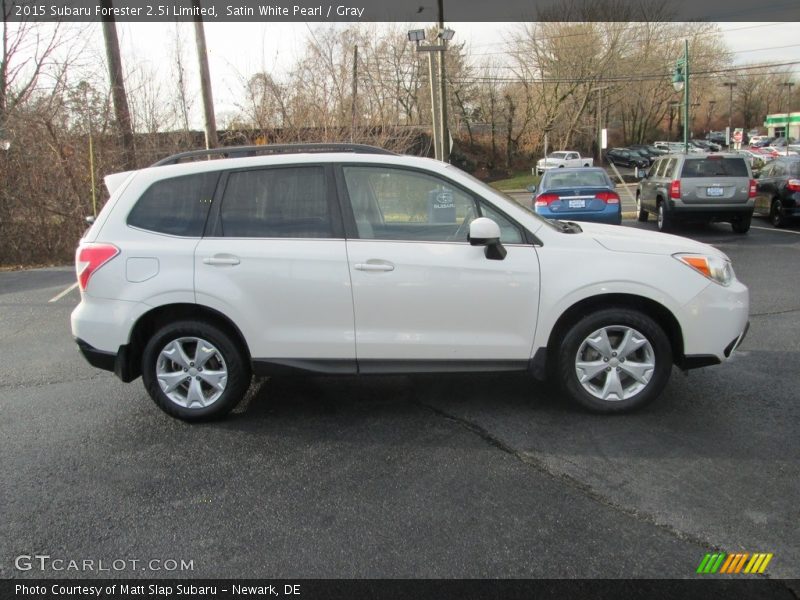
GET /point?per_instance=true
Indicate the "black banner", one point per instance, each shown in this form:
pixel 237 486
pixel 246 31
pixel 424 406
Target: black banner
pixel 388 589
pixel 405 11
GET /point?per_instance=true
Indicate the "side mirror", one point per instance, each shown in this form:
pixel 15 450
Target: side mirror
pixel 89 220
pixel 532 189
pixel 644 174
pixel 485 232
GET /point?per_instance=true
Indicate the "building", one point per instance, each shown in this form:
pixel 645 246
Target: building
pixel 776 124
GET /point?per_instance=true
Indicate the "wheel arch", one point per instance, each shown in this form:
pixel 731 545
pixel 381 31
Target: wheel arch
pixel 656 311
pixel 129 367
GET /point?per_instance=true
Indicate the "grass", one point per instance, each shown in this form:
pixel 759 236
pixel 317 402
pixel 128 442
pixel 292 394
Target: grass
pixel 520 181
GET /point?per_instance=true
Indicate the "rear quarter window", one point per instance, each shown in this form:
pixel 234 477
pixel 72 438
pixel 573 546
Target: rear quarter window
pixel 715 167
pixel 176 206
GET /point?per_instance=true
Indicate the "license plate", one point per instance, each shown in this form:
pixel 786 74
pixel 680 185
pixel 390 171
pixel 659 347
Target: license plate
pixel 577 203
pixel 714 191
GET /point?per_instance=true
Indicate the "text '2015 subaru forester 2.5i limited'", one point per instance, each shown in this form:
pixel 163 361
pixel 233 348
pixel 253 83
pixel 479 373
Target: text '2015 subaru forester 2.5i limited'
pixel 354 260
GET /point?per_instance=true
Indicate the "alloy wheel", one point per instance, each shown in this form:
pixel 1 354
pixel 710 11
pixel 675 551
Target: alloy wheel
pixel 191 372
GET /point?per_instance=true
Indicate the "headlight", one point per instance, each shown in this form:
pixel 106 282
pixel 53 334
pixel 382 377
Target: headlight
pixel 715 268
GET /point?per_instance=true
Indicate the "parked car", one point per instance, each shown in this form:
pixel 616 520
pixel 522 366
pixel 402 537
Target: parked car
pixel 755 159
pixel 778 190
pixel 649 149
pixel 622 157
pixel 345 259
pixel 562 160
pixel 706 146
pixel 577 194
pixel 688 187
pixel 757 141
pixel 718 137
pixel 674 147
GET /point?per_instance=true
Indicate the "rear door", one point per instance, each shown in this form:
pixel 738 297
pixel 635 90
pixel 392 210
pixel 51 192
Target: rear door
pixel 274 260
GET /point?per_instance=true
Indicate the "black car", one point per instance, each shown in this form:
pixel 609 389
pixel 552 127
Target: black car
pixel 778 190
pixel 650 152
pixel 623 157
pixel 717 137
pixel 707 146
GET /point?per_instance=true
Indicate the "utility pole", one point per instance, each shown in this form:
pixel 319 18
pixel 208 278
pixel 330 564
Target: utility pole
pixel 445 134
pixel 788 85
pixel 355 94
pixel 205 78
pixel 122 112
pixel 730 85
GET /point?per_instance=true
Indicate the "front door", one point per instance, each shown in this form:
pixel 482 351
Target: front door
pixel 423 296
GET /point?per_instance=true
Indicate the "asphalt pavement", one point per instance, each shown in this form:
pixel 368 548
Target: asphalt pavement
pixel 482 476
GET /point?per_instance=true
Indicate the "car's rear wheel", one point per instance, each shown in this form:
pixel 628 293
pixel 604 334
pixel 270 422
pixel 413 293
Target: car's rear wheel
pixel 641 214
pixel 614 360
pixel 776 213
pixel 742 224
pixel 194 370
pixel 664 218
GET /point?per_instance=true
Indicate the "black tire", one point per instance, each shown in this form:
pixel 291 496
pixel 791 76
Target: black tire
pixel 615 320
pixel 776 216
pixel 641 214
pixel 665 223
pixel 233 361
pixel 742 225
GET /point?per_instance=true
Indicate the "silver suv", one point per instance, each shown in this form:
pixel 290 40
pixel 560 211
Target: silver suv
pixel 707 187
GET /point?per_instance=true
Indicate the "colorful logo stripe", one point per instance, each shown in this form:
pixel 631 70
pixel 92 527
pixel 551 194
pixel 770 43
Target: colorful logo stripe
pixel 739 562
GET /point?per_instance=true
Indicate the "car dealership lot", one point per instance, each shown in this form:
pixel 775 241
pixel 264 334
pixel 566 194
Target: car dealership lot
pixel 445 476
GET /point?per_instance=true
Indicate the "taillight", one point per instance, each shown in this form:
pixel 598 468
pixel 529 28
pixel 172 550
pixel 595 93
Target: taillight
pixel 546 199
pixel 675 189
pixel 753 186
pixel 793 185
pixel 91 257
pixel 608 197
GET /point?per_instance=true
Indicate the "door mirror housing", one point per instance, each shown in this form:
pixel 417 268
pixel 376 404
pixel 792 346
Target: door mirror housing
pixel 532 189
pixel 485 232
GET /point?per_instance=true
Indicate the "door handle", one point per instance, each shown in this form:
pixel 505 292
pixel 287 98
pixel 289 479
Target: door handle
pixel 222 260
pixel 374 266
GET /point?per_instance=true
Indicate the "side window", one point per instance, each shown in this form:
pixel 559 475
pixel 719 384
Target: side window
pixel 177 206
pixel 288 202
pixel 509 232
pixel 766 171
pixel 399 204
pixel 654 169
pixel 778 169
pixel 668 168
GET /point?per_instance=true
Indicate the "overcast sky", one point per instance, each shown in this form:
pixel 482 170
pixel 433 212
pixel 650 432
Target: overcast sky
pixel 237 50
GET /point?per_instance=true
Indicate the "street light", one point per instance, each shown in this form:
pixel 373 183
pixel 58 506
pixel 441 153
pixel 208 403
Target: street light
pixel 680 81
pixel 440 133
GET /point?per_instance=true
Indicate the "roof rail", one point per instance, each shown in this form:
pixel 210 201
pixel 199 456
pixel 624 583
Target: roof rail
pixel 242 151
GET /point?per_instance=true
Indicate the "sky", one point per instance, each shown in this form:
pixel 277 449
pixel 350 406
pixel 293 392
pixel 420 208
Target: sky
pixel 237 50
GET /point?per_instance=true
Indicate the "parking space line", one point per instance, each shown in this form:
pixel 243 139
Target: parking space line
pixel 64 293
pixel 775 229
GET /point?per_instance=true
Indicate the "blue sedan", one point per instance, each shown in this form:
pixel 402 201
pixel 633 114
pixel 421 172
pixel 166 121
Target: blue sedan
pixel 585 194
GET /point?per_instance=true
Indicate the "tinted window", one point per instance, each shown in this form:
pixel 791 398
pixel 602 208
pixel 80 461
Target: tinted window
pixel 177 206
pixel 398 204
pixel 794 169
pixel 669 168
pixel 578 179
pixel 778 170
pixel 281 202
pixel 715 167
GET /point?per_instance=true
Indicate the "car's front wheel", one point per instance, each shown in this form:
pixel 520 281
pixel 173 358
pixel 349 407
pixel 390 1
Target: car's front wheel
pixel 194 370
pixel 614 360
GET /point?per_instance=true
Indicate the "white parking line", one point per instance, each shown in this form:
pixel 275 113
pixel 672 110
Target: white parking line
pixel 64 293
pixel 775 229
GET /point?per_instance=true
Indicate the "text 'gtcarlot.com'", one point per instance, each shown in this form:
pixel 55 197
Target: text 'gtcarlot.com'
pixel 45 562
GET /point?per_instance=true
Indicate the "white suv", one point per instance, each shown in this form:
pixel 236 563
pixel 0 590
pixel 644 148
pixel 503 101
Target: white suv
pixel 350 259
